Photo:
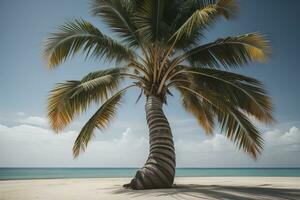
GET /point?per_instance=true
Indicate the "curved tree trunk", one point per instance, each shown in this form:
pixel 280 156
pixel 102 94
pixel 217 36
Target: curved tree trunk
pixel 159 170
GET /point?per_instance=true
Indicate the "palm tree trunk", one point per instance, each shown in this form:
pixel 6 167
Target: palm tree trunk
pixel 159 170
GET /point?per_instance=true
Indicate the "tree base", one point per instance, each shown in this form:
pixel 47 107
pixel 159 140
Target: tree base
pixel 127 186
pixel 139 182
pixel 132 186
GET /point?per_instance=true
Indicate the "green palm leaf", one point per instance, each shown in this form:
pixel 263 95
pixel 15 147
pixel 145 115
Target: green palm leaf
pixel 202 111
pixel 230 52
pixel 235 124
pixel 149 19
pixel 108 79
pixel 239 129
pixel 204 16
pixel 245 92
pixel 99 120
pixel 81 35
pixel 73 97
pixel 118 14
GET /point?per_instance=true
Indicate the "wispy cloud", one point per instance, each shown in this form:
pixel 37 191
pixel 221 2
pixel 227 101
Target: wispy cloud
pixel 35 120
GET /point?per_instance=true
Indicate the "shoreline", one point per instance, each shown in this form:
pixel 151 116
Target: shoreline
pixel 184 188
pixel 130 177
pixel 69 173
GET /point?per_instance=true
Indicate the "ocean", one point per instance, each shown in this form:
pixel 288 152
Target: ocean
pixel 51 173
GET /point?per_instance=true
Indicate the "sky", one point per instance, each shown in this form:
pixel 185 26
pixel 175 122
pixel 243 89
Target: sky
pixel 27 141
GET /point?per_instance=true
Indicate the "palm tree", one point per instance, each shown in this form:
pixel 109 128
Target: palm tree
pixel 159 48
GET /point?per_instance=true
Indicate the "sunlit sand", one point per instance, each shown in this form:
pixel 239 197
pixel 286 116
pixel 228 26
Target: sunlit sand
pixel 233 188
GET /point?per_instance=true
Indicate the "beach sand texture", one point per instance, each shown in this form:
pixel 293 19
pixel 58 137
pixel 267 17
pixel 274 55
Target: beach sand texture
pixel 206 188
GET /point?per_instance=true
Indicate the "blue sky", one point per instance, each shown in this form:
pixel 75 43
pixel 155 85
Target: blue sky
pixel 26 81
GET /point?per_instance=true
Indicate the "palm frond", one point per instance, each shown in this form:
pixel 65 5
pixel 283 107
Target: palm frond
pixel 236 125
pixel 246 93
pixel 228 8
pixel 71 98
pixel 81 35
pixel 239 129
pixel 149 19
pixel 99 120
pixel 118 14
pixel 230 52
pixel 200 18
pixel 104 80
pixel 194 17
pixel 199 109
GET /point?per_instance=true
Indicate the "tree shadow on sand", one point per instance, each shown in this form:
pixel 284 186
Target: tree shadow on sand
pixel 193 191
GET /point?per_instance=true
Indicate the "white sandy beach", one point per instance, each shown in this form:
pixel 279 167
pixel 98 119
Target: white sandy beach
pixel 225 188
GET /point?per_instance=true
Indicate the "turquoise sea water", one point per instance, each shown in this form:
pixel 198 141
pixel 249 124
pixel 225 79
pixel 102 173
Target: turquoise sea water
pixel 48 173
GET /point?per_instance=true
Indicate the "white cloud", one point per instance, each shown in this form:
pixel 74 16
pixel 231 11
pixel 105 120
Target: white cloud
pixel 284 141
pixel 29 145
pixel 35 120
pixel 36 145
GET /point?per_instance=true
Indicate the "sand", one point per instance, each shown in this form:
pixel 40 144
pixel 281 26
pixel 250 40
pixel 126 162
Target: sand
pixel 206 188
